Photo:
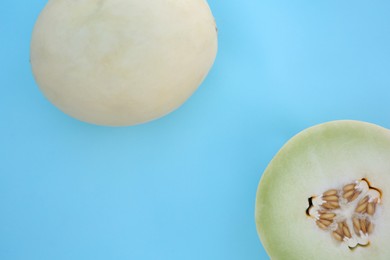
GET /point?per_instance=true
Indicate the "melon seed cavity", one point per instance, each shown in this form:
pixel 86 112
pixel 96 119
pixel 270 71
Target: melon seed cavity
pixel 347 213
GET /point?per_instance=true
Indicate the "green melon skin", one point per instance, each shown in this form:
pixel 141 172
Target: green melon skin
pixel 322 157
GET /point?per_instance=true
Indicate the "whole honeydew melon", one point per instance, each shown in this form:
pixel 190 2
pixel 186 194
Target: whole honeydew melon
pixel 122 62
pixel 325 195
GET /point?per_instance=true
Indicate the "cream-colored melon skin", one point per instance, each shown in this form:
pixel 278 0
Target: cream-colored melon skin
pixel 122 62
pixel 320 158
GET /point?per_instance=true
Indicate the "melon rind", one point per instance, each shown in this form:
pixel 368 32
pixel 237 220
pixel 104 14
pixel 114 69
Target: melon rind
pixel 322 157
pixel 122 62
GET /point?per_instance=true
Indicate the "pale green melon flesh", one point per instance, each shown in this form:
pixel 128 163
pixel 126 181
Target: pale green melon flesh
pixel 318 159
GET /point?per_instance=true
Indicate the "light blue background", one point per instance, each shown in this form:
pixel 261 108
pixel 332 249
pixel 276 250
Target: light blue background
pixel 182 187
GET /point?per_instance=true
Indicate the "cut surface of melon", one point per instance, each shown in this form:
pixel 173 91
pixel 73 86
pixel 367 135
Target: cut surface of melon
pixel 325 194
pixel 122 62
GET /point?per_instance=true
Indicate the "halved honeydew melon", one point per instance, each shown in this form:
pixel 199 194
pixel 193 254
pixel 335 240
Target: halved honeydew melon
pixel 325 195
